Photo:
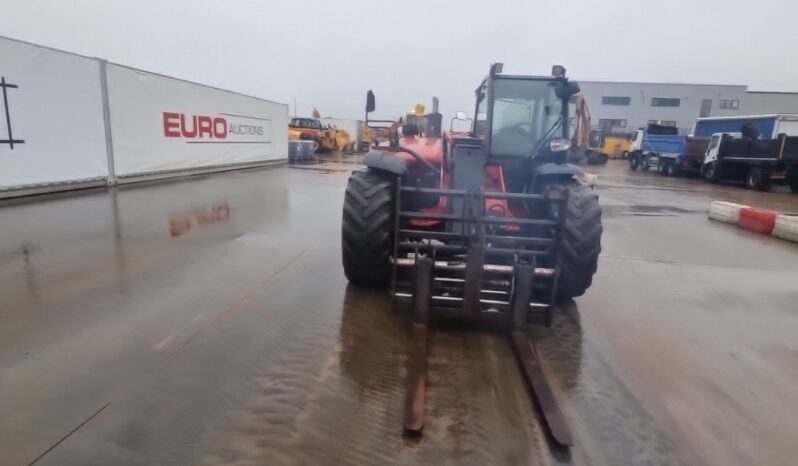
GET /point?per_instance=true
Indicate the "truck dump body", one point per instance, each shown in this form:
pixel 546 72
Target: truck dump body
pixel 789 150
pixel 696 147
pixel 664 144
pixel 661 147
pixel 783 148
pixel 694 152
pixel 769 126
pixel 707 128
pixel 758 162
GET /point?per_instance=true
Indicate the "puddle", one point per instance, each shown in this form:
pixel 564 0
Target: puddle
pixel 306 162
pixel 325 171
pixel 645 211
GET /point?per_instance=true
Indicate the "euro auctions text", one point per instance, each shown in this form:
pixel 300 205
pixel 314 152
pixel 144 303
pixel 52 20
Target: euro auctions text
pixel 176 125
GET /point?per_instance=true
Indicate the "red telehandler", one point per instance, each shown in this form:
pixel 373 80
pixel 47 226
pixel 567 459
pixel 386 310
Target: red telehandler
pixel 490 226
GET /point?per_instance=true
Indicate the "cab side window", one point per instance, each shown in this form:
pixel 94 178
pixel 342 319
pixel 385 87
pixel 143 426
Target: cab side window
pixel 481 119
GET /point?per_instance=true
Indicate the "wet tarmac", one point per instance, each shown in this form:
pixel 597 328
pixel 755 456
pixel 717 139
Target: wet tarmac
pixel 208 321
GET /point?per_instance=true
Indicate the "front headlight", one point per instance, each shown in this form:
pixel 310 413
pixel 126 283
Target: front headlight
pixel 559 145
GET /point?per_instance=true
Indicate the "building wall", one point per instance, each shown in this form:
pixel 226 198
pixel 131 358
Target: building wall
pixel 640 110
pixel 762 103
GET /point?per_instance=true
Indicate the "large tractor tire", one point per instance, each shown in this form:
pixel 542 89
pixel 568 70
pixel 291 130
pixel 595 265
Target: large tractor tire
pixel 581 241
pixel 367 228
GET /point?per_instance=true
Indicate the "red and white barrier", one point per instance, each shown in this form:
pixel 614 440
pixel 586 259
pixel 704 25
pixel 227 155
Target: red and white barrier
pixel 758 220
pixel 727 212
pixel 786 227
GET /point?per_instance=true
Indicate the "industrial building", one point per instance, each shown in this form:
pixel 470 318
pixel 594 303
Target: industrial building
pixel 623 107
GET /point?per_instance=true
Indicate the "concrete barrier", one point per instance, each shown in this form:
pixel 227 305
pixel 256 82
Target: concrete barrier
pixel 727 212
pixel 758 220
pixel 786 227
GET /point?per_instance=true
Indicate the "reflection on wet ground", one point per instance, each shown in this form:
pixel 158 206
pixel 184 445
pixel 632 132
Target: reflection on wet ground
pixel 647 210
pixel 327 164
pixel 181 223
pixel 208 321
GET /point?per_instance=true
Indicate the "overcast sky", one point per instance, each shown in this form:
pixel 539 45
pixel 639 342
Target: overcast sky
pixel 327 53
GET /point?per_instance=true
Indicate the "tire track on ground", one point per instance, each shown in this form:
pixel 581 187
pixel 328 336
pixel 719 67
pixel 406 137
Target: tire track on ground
pixel 333 393
pixel 611 425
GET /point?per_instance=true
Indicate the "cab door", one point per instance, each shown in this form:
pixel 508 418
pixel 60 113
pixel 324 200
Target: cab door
pixel 711 154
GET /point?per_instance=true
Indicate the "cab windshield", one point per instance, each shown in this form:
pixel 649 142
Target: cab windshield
pixel 524 112
pixel 305 123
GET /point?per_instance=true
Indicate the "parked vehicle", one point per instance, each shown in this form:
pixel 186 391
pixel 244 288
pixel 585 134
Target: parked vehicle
pixel 768 126
pixel 657 146
pixel 325 138
pixel 587 144
pixel 617 146
pixel 693 158
pixel 309 129
pixel 758 162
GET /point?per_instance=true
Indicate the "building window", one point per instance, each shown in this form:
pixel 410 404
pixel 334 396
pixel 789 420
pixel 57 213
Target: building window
pixel 610 100
pixel 662 122
pixel 609 124
pixel 730 104
pixel 665 102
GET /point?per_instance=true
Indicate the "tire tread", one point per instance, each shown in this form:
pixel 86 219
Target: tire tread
pixel 581 241
pixel 367 228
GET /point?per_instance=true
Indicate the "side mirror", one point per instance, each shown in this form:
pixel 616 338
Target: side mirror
pixel 565 90
pixel 460 116
pixel 371 103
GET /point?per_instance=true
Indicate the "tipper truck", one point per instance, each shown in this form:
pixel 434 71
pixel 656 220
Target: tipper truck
pixel 758 162
pixel 657 146
pixel 768 126
pixel 758 149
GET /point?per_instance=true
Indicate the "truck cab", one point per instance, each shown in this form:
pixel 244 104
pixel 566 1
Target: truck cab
pixel 711 154
pixel 637 141
pixel 307 128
